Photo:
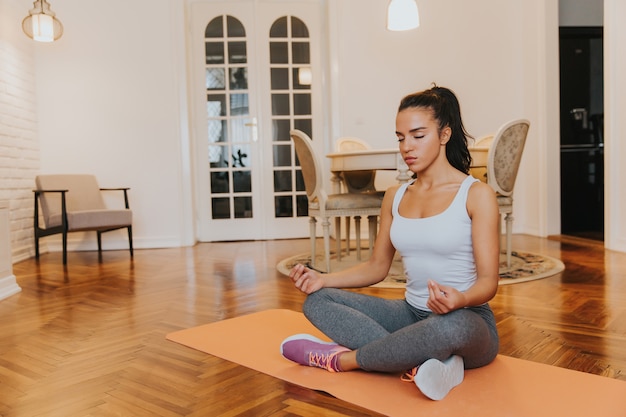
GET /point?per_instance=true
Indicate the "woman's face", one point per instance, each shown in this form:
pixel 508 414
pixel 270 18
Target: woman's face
pixel 419 138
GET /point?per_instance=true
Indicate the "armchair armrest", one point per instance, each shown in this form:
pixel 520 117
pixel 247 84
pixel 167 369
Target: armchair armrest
pixel 124 189
pixel 63 208
pixel 38 192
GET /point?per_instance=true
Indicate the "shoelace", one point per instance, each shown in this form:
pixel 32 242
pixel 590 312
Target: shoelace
pixel 325 361
pixel 409 376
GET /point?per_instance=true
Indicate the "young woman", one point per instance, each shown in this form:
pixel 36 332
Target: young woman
pixel 444 224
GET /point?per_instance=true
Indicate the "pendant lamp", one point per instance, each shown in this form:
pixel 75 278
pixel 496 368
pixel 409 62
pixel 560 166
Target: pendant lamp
pixel 41 23
pixel 402 15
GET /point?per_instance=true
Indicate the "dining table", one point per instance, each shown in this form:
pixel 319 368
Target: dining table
pixel 390 159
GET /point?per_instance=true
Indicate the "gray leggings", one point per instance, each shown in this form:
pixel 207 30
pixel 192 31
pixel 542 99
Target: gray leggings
pixel 393 336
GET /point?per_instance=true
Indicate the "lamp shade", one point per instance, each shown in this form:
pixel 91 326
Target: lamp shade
pixel 402 15
pixel 41 23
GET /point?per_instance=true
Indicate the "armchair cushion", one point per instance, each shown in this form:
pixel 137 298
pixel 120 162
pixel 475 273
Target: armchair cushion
pixel 93 219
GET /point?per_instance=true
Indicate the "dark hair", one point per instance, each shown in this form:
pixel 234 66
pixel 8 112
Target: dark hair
pixel 447 111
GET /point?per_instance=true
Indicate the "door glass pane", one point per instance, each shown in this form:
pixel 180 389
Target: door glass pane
pixel 220 207
pixel 290 71
pixel 239 105
pixel 214 52
pixel 280 104
pixel 243 207
pixel 228 136
pixel 282 155
pixel 238 78
pixel 303 205
pixel 216 105
pixel 305 125
pixel 219 182
pixel 215 28
pixel 283 206
pixel 219 156
pixel 240 157
pixel 279 78
pixel 279 52
pixel 237 53
pixel 215 79
pixel 217 131
pixel 298 28
pixel 280 131
pixel 299 181
pixel 235 28
pixel 242 182
pixel 302 78
pixel 279 28
pixel 300 53
pixel 302 104
pixel 282 181
pixel 238 130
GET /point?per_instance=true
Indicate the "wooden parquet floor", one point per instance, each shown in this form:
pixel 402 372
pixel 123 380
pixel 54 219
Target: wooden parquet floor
pixel 89 339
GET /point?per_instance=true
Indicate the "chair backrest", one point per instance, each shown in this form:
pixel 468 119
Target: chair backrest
pixel 356 181
pixel 351 144
pixel 311 168
pixel 83 193
pixel 505 154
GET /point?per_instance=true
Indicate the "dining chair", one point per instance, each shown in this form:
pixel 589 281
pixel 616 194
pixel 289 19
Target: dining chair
pixel 73 203
pixel 324 206
pixel 480 150
pixel 504 156
pixel 362 181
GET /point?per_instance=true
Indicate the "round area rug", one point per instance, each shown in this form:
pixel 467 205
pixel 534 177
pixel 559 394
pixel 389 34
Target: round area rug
pixel 524 267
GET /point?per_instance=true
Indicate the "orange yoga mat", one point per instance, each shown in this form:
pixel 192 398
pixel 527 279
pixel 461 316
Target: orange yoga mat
pixel 508 387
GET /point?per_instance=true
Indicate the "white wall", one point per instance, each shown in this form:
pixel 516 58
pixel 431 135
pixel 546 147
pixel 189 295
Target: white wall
pixel 19 145
pixel 378 67
pixel 495 61
pixel 614 124
pixel 108 96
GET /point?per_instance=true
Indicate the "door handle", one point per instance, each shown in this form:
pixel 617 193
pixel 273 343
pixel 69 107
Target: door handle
pixel 580 114
pixel 253 125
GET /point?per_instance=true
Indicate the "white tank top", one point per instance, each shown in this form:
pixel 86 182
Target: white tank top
pixel 437 247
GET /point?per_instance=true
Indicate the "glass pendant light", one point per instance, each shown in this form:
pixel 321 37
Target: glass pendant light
pixel 402 15
pixel 41 23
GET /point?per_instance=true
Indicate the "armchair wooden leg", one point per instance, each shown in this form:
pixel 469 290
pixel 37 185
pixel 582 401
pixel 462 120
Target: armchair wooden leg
pixel 130 240
pixel 64 248
pixel 99 233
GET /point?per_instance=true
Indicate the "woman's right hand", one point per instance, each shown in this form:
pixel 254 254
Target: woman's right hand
pixel 305 279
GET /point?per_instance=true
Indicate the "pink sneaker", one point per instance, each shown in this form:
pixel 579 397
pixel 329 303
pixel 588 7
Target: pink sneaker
pixel 308 350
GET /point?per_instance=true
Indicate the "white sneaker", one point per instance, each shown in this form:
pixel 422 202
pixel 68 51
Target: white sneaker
pixel 435 378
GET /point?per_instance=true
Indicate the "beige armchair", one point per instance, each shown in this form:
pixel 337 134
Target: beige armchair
pixel 72 203
pixel 326 206
pixel 504 156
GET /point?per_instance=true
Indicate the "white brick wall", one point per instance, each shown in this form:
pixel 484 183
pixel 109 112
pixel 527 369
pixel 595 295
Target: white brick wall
pixel 19 146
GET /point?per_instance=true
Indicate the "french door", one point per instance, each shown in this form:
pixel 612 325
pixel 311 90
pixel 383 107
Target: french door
pixel 256 75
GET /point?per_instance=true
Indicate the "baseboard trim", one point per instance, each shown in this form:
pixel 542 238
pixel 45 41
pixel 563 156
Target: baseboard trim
pixel 8 287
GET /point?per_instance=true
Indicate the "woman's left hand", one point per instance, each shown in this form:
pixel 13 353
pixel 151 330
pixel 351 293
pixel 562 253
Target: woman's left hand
pixel 444 299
